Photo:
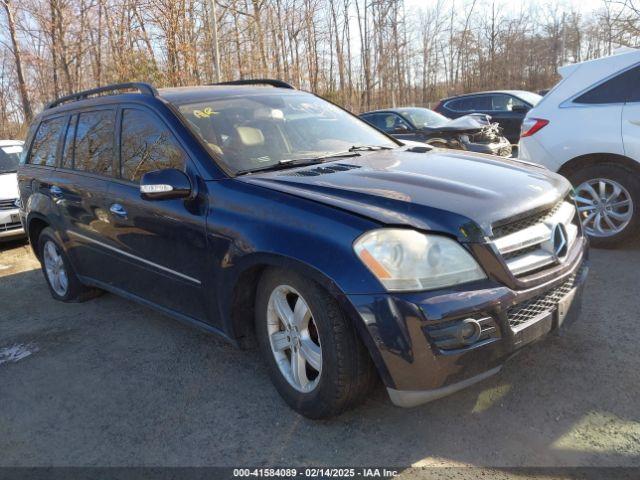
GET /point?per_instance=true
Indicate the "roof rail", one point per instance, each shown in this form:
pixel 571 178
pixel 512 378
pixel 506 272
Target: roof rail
pixel 259 81
pixel 144 88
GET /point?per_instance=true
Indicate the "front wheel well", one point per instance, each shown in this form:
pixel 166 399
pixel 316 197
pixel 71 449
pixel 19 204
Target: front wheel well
pixel 243 300
pixel 241 306
pixel 589 160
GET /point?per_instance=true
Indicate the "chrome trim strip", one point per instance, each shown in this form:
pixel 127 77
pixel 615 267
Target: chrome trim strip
pixel 135 257
pixel 530 261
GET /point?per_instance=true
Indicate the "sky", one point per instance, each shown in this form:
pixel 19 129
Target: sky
pixel 583 6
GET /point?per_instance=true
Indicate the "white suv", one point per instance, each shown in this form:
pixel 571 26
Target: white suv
pixel 10 225
pixel 588 129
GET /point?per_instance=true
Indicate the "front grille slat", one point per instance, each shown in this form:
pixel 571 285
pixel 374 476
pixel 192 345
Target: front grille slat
pixel 528 221
pixel 8 204
pixel 542 304
pixel 527 245
pixel 5 227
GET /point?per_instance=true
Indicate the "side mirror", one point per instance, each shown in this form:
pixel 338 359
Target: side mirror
pixel 400 129
pixel 165 184
pixel 519 109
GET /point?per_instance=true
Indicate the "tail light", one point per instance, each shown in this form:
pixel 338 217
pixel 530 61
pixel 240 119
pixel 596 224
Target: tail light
pixel 531 126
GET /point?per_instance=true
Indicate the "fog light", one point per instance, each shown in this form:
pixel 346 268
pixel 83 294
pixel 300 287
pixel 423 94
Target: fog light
pixel 468 331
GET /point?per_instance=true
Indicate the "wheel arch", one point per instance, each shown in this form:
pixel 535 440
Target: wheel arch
pixel 592 159
pixel 238 299
pixel 238 304
pixel 35 224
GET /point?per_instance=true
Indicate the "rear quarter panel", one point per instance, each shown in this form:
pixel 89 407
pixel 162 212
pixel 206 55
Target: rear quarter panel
pixel 573 131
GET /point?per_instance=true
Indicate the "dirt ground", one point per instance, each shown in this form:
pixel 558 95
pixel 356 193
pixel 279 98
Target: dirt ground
pixel 113 383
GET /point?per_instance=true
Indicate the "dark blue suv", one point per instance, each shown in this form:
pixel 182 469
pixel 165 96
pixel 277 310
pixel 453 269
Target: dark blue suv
pixel 272 217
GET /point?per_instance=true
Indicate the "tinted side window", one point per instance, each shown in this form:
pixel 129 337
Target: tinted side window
pixel 505 103
pixel 45 143
pixel 456 105
pixel 93 147
pixel 470 104
pixel 619 89
pixel 479 103
pixel 392 122
pixel 67 150
pixel 147 144
pixel 373 120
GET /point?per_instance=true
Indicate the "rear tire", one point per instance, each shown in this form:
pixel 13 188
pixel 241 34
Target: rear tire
pixel 608 197
pixel 63 283
pixel 340 372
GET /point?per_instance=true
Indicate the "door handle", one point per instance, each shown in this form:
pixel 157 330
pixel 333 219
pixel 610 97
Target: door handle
pixel 635 122
pixel 118 210
pixel 55 191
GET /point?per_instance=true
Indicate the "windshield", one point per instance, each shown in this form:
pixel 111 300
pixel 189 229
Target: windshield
pixel 9 157
pixel 253 132
pixel 530 97
pixel 423 117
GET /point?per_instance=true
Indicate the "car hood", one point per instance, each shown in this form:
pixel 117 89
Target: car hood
pixel 467 123
pixel 8 186
pixel 462 194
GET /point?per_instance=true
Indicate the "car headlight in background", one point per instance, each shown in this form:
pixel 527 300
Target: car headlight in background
pixel 405 260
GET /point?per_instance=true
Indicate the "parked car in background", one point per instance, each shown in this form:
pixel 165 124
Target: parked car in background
pixel 588 129
pixel 474 133
pixel 266 213
pixel 506 107
pixel 10 226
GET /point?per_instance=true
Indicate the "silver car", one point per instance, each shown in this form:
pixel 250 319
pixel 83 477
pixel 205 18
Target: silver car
pixel 10 225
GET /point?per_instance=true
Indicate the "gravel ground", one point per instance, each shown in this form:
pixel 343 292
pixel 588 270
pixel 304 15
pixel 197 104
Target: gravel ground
pixel 112 383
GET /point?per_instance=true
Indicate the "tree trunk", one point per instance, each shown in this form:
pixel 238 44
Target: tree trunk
pixel 22 86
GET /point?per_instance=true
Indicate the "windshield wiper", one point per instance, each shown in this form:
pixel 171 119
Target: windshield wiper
pixel 298 162
pixel 368 148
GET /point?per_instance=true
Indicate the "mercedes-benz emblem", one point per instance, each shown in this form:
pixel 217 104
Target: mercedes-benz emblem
pixel 559 238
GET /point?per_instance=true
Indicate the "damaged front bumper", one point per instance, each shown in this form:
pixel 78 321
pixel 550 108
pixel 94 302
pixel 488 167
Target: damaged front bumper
pixel 414 340
pixel 502 147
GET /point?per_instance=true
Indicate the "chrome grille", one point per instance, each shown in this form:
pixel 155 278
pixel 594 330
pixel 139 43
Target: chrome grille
pixel 511 227
pixel 5 227
pixel 527 245
pixel 542 304
pixel 8 204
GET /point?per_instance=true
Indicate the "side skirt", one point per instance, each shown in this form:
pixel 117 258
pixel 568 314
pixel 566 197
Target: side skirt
pixel 187 320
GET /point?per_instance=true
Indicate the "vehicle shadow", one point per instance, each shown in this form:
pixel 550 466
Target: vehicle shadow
pixel 112 383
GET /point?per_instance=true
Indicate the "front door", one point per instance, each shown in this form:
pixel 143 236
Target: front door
pixel 163 242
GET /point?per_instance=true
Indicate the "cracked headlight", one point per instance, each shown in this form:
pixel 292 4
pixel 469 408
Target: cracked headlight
pixel 406 260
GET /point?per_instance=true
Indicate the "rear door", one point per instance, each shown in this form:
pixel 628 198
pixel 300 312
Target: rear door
pixel 37 177
pixel 162 242
pixel 81 189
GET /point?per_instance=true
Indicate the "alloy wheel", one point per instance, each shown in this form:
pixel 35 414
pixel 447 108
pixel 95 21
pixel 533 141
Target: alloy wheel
pixel 605 207
pixel 54 266
pixel 294 338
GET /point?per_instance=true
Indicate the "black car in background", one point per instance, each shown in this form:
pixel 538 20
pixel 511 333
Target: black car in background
pixel 506 107
pixel 475 133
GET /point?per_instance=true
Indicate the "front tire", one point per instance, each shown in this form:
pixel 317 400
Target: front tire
pixel 608 200
pixel 316 360
pixel 63 283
